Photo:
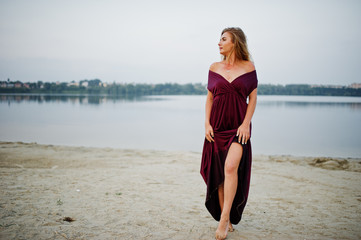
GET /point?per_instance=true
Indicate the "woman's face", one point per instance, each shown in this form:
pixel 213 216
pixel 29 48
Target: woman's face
pixel 225 44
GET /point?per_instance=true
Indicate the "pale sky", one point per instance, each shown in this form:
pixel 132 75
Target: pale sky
pixel 140 41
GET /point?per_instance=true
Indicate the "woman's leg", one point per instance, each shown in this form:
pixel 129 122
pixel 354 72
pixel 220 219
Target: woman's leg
pixel 229 187
pixel 221 201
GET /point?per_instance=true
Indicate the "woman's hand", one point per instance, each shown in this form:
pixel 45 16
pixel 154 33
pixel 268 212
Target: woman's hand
pixel 243 133
pixel 209 133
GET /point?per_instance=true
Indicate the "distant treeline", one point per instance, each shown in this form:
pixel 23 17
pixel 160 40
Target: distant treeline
pixel 308 90
pixel 96 87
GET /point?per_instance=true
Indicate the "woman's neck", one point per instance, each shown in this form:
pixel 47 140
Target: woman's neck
pixel 231 60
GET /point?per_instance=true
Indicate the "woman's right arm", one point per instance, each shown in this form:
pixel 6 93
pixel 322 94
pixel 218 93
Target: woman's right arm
pixel 208 127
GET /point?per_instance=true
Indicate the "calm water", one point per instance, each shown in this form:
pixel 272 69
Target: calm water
pixel 306 126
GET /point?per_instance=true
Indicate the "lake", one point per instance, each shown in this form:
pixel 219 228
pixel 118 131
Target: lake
pixel 292 125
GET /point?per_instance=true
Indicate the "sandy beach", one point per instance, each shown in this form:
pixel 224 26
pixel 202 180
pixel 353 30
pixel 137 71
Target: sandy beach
pixel 142 194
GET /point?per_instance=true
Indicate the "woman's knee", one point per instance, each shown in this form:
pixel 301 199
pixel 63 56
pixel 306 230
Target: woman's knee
pixel 230 168
pixel 233 159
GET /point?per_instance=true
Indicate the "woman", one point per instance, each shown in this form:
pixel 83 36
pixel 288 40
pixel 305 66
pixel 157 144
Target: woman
pixel 227 157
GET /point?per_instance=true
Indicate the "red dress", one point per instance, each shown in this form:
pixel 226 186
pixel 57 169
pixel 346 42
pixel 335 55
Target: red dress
pixel 227 114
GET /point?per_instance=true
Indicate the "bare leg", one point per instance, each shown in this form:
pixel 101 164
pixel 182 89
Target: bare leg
pixel 221 202
pixel 230 187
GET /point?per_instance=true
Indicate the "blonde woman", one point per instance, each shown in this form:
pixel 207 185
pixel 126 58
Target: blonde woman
pixel 227 156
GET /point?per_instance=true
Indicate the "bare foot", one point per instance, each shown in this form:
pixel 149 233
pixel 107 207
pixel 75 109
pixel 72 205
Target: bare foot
pixel 222 229
pixel 230 227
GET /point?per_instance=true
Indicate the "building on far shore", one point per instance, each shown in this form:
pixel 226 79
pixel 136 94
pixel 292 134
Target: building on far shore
pixel 73 83
pixel 326 86
pixel 355 85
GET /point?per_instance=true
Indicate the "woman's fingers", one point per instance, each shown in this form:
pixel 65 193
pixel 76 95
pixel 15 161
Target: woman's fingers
pixel 244 139
pixel 243 134
pixel 210 136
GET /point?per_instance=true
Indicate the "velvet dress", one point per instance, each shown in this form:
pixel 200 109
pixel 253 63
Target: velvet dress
pixel 227 114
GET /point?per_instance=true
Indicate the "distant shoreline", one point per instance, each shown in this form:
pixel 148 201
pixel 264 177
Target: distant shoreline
pixel 327 162
pixel 96 87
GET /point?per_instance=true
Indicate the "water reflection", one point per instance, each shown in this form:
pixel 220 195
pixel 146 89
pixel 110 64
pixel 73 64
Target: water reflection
pixel 353 103
pixel 75 99
pixel 309 101
pixel 291 104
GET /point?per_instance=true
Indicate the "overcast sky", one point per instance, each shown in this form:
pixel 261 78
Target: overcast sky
pixel 308 41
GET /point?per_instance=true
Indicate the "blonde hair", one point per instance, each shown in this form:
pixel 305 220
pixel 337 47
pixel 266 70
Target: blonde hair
pixel 240 44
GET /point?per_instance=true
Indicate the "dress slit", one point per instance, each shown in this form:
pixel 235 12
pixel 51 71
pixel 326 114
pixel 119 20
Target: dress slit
pixel 212 202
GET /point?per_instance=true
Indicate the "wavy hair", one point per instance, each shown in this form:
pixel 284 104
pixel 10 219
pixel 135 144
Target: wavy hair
pixel 240 44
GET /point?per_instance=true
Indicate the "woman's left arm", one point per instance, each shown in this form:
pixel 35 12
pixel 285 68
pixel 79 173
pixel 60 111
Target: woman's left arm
pixel 243 132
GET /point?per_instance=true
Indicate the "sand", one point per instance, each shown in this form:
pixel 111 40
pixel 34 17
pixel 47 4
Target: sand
pixel 139 194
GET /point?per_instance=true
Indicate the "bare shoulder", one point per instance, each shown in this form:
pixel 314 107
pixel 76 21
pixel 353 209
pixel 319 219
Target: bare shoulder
pixel 249 66
pixel 214 66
